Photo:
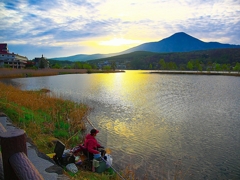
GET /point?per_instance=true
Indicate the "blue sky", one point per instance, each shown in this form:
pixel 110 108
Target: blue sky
pixel 59 28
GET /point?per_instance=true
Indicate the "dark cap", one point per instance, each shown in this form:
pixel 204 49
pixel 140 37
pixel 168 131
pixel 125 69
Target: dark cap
pixel 94 131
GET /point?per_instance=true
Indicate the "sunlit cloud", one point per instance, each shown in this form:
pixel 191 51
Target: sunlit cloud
pixel 119 42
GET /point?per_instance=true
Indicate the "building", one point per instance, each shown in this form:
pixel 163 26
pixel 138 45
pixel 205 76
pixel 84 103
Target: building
pixel 10 59
pixel 100 65
pixel 41 62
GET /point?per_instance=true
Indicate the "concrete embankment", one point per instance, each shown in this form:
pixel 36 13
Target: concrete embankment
pixel 45 166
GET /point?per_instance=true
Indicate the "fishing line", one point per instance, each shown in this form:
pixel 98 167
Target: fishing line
pixel 113 169
pixel 103 158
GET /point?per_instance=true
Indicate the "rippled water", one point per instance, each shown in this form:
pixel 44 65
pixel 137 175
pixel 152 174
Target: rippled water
pixel 164 126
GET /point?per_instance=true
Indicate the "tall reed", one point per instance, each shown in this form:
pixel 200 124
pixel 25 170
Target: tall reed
pixel 43 116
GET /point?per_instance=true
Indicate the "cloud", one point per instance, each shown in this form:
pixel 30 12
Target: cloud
pixel 90 24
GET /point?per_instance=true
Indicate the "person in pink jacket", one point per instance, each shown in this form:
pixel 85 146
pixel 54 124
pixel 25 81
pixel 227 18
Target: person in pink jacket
pixel 91 143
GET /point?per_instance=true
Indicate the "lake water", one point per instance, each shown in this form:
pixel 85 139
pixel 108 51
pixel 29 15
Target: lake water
pixel 163 126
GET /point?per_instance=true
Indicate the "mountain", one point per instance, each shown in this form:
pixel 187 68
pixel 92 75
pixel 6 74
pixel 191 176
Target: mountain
pixel 178 42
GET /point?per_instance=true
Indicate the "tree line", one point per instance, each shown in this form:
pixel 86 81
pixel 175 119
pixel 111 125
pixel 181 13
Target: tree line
pixel 195 65
pixel 192 65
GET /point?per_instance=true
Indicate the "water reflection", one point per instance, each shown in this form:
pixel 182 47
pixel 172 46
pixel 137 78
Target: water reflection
pixel 160 124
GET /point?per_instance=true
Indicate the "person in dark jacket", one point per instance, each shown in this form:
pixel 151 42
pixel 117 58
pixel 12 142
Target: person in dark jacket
pixel 91 144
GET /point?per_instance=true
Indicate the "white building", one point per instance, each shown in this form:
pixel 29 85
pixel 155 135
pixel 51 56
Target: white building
pixel 10 59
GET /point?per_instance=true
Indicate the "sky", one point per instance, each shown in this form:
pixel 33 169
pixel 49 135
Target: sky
pixel 61 28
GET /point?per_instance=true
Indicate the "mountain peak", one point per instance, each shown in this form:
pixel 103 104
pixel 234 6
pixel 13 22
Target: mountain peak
pixel 182 35
pixel 178 42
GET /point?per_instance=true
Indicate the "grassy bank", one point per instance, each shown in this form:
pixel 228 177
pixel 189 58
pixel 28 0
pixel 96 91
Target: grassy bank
pixel 47 118
pixel 20 73
pixel 44 118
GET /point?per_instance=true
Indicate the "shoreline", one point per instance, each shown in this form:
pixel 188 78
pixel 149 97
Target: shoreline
pixel 22 73
pixel 224 73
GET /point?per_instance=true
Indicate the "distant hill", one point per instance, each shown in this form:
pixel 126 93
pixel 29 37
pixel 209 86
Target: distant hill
pixel 84 57
pixel 178 42
pixel 142 59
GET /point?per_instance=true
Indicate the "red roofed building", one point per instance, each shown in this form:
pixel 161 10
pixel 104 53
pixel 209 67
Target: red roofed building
pixel 11 59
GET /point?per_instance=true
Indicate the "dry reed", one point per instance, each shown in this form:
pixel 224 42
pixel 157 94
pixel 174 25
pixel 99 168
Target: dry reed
pixel 15 73
pixel 43 116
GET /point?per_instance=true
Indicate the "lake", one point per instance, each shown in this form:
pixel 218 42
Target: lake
pixel 162 126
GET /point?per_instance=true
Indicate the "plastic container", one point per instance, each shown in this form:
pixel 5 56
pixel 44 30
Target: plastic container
pixel 97 156
pixel 102 166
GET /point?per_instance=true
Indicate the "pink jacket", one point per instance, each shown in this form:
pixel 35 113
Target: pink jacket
pixel 91 144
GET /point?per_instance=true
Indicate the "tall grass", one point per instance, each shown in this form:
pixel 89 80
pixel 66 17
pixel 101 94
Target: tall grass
pixel 14 73
pixel 43 117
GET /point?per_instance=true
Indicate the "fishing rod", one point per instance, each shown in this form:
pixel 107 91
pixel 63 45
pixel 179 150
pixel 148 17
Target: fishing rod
pixel 90 123
pixel 103 158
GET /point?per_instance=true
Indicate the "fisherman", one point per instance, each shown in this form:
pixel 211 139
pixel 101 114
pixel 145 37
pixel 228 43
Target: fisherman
pixel 92 145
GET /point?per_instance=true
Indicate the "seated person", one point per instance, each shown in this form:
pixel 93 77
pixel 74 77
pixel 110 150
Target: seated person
pixel 91 144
